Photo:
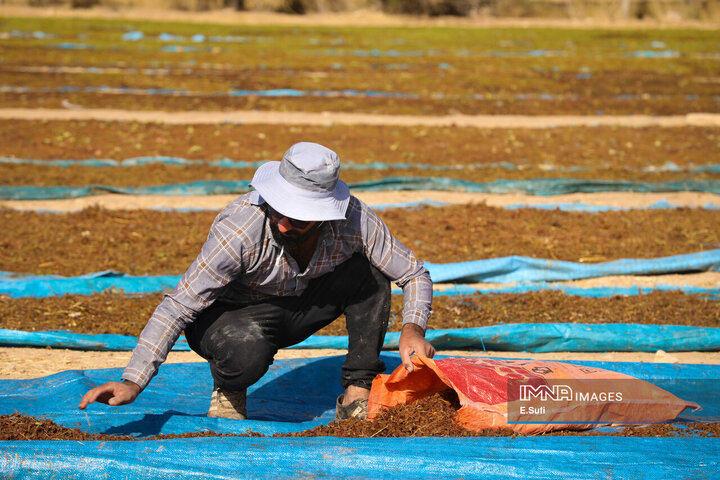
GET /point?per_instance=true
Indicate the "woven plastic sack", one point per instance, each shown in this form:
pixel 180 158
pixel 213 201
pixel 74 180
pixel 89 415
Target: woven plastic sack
pixel 528 396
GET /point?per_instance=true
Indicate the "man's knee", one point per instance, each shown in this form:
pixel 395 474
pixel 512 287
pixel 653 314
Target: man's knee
pixel 239 355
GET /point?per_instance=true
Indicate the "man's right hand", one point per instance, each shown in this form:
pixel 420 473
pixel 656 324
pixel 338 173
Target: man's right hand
pixel 111 393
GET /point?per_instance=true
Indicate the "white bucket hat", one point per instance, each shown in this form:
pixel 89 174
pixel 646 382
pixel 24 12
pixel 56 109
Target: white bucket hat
pixel 305 184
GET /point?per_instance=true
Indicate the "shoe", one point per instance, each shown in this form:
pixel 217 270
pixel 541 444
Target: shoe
pixel 225 404
pixel 356 409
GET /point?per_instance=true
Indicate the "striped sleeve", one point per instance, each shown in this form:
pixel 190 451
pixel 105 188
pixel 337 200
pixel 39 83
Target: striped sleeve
pixel 400 265
pixel 220 259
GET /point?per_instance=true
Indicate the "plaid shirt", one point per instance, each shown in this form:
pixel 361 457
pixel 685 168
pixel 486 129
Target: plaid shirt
pixel 241 263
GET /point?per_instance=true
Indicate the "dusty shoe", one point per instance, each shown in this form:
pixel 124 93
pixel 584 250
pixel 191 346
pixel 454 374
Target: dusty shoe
pixel 226 404
pixel 356 409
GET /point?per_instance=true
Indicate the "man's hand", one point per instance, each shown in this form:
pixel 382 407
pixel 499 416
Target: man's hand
pixel 111 393
pixel 412 340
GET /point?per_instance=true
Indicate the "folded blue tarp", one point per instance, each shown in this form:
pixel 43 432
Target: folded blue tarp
pixel 53 285
pixel 565 207
pixel 76 341
pixel 176 402
pixel 581 207
pixel 494 270
pixel 538 186
pixel 209 187
pixel 527 269
pixel 442 290
pixel 514 337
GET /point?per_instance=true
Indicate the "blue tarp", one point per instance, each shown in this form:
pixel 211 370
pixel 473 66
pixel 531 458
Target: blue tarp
pixel 209 187
pixel 538 186
pixel 54 285
pixel 177 399
pixel 76 341
pixel 176 402
pixel 527 269
pixel 19 288
pixel 581 207
pixel 277 92
pixel 494 270
pixel 549 458
pixel 565 207
pixel 515 337
pixel 595 292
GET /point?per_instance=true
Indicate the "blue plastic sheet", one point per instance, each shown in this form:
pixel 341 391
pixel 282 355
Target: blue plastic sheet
pixel 537 186
pixel 76 341
pixel 335 458
pixel 527 269
pixel 495 270
pixel 581 207
pixel 515 337
pixel 280 92
pixel 54 285
pixel 208 187
pixel 595 292
pixel 176 402
pixel 550 458
pixel 178 398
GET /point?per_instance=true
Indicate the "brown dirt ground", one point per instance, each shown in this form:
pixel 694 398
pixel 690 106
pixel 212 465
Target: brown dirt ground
pixel 660 91
pixel 602 152
pixel 432 416
pixel 126 315
pixel 654 92
pixel 152 242
pixel 568 106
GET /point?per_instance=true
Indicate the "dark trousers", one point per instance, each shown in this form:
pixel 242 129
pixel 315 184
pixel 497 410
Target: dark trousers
pixel 240 342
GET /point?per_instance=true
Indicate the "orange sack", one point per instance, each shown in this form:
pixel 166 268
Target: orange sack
pixel 528 396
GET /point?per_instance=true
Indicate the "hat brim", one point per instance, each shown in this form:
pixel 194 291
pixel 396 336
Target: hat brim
pixel 297 203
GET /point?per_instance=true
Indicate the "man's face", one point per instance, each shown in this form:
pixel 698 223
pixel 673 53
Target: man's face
pixel 289 232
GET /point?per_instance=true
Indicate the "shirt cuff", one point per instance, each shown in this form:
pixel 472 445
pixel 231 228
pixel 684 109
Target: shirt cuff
pixel 416 319
pixel 137 377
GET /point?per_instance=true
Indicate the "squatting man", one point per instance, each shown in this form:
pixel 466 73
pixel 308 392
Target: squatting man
pixel 279 264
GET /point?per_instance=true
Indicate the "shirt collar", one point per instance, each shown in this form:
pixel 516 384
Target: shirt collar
pixel 256 198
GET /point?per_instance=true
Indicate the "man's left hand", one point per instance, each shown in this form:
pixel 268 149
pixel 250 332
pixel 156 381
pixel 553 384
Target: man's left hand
pixel 412 341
